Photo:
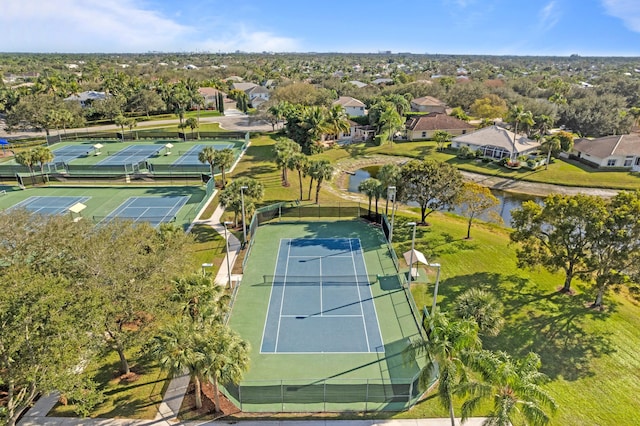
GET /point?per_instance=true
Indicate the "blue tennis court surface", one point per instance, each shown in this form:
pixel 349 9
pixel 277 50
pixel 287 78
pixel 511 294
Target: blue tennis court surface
pixel 49 205
pixel 321 300
pixel 131 155
pixel 71 152
pixel 155 210
pixel 191 157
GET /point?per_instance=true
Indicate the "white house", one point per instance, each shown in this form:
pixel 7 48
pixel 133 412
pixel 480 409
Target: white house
pixel 619 151
pixel 257 94
pixel 352 106
pixel 86 98
pixel 496 142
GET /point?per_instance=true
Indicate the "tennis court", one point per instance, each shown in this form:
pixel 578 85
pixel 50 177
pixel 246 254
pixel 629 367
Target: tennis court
pixel 154 210
pixel 130 155
pixel 71 152
pixel 321 300
pixel 190 157
pixel 49 205
pixel 322 304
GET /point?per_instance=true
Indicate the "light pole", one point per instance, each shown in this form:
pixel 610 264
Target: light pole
pixel 206 265
pixel 244 219
pixel 391 195
pixel 413 244
pixel 226 237
pixel 435 292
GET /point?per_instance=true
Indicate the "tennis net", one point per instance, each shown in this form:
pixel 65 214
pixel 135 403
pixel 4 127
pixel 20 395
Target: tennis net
pixel 337 280
pixel 152 219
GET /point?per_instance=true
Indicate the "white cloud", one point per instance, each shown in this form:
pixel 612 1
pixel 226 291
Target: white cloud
pixel 627 10
pixel 249 41
pixel 118 26
pixel 549 16
pixel 85 25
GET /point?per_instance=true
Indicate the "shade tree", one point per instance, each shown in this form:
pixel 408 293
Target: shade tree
pixel 433 185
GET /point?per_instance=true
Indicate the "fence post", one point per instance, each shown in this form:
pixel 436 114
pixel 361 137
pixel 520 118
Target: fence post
pixel 281 395
pixel 366 398
pixel 324 395
pixel 240 395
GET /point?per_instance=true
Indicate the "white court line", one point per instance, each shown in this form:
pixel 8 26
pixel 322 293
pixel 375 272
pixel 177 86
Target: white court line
pixel 323 316
pixel 266 318
pixel 375 311
pixel 364 321
pixel 316 256
pixel 284 288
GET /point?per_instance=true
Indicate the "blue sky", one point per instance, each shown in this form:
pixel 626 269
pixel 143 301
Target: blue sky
pixel 497 27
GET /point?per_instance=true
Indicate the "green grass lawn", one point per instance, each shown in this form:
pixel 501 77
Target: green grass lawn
pixel 137 399
pixel 588 355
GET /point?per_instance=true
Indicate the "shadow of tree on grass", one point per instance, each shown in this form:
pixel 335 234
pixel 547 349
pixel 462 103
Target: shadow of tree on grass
pixel 552 324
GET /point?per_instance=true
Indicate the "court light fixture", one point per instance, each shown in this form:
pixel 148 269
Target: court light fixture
pixel 391 195
pixel 413 246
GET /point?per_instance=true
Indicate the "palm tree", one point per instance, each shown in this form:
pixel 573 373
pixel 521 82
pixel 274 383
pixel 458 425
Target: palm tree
pixel 447 352
pixel 388 176
pixel 121 121
pixel 550 145
pixel 544 123
pixel 482 307
pixel 182 347
pixel 227 358
pixel 298 161
pixel 370 187
pixel 208 155
pixel 131 123
pixel 42 155
pixel 517 115
pixel 312 121
pixel 284 150
pixel 514 387
pixel 391 121
pixel 200 299
pixel 336 121
pixel 320 170
pixel 25 158
pixel 192 123
pixel 224 159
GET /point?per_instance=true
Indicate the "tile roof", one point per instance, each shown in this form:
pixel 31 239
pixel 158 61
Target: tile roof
pixel 498 136
pixel 428 100
pixel 617 145
pixel 243 86
pixel 436 121
pixel 348 101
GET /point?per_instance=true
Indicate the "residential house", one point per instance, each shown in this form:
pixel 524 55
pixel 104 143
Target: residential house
pixel 210 95
pixel 87 97
pixel 352 106
pixel 358 84
pixel 422 126
pixel 356 133
pixel 379 81
pixel 428 104
pixel 496 142
pixel 619 151
pixel 257 94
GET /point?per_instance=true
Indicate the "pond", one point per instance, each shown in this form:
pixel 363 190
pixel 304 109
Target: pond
pixel 508 200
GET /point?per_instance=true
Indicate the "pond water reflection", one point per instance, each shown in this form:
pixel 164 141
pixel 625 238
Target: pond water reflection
pixel 508 200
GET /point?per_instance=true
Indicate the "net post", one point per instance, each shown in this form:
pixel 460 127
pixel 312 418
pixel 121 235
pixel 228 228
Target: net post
pixel 324 395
